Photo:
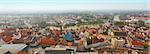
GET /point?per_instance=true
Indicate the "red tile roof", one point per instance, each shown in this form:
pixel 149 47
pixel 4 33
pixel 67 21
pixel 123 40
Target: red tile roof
pixel 7 38
pixel 47 41
pixel 137 43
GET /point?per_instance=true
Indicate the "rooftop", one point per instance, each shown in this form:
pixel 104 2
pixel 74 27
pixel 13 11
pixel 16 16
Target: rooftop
pixel 13 48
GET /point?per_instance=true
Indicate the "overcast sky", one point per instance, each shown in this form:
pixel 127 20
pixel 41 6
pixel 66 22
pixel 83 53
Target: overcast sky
pixel 58 5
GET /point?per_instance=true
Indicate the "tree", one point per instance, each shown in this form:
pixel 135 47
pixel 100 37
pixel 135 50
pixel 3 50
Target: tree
pixel 68 25
pixel 43 24
pixel 121 23
pixel 140 23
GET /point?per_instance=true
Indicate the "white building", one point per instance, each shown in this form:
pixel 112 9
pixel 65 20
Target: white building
pixel 116 18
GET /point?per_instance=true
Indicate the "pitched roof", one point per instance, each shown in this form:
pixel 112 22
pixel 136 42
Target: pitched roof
pixel 13 48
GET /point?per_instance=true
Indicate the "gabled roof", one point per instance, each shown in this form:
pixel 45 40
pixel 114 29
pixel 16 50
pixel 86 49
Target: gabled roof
pixel 8 52
pixel 13 48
